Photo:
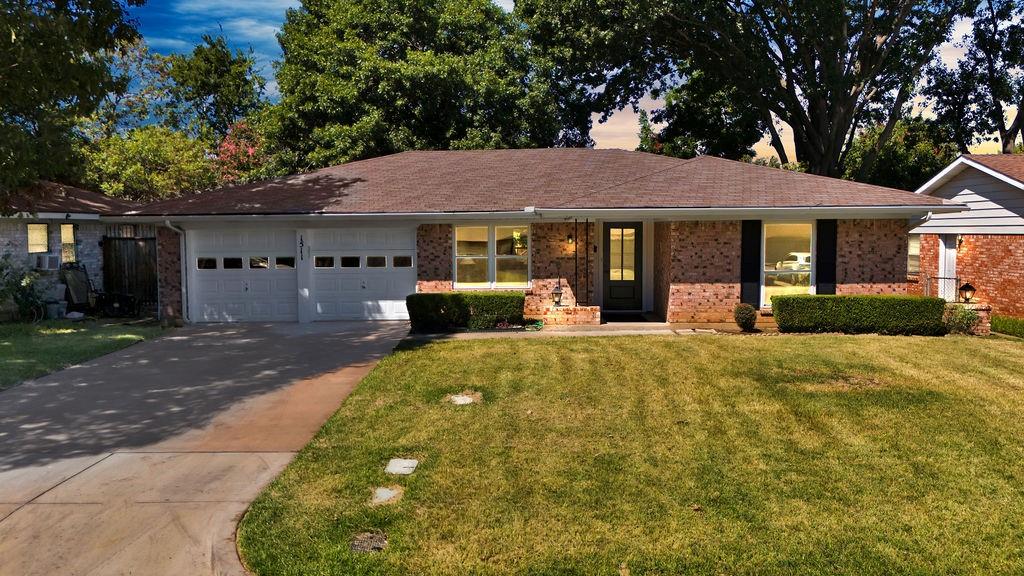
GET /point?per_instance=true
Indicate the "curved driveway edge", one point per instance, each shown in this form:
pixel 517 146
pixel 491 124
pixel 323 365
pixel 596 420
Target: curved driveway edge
pixel 143 461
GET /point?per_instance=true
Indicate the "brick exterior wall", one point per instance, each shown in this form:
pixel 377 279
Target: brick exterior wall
pixel 168 265
pixel 14 241
pixel 697 270
pixel 871 257
pixel 434 257
pixel 552 257
pixel 992 263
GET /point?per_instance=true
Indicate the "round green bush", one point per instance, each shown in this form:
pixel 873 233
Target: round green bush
pixel 745 316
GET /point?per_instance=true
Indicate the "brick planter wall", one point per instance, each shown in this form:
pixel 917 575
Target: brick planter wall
pixel 434 257
pixel 168 265
pixel 570 315
pixel 697 270
pixel 871 257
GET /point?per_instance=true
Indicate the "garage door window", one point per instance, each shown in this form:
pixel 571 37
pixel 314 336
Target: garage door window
pixel 323 262
pixel 232 263
pixel 259 263
pixel 350 261
pixel 206 263
pixel 376 261
pixel 284 262
pixel 492 256
pixel 401 261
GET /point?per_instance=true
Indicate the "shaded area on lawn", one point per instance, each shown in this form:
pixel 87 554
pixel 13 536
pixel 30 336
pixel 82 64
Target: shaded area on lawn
pixel 811 454
pixel 153 391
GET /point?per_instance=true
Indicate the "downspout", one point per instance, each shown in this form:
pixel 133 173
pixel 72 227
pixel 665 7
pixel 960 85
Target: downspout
pixel 183 272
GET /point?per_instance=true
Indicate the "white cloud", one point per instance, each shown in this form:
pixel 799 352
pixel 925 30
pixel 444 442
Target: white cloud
pixel 164 44
pixel 250 30
pixel 268 8
pixel 506 5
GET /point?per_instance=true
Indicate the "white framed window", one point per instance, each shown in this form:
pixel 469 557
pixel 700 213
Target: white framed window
pixel 492 256
pixel 787 250
pixel 68 246
pixel 914 254
pixel 38 238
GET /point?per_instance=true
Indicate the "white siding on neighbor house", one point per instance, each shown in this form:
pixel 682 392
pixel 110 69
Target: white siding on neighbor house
pixel 996 207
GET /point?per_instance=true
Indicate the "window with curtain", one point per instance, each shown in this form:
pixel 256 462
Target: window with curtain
pixel 68 248
pixel 38 238
pixel 788 260
pixel 914 254
pixel 492 256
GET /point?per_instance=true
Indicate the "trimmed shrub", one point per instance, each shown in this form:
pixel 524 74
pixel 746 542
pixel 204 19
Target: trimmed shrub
pixel 960 320
pixel 745 316
pixel 906 315
pixel 1008 325
pixel 445 311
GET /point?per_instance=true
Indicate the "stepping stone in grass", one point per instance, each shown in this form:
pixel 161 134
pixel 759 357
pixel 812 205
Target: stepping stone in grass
pixel 401 466
pixel 467 397
pixel 369 542
pixel 386 495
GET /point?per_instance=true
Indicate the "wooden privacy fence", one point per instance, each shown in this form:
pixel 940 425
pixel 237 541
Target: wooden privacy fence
pixel 129 267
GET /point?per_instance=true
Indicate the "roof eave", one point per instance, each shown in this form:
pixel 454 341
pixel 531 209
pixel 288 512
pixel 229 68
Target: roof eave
pixel 958 166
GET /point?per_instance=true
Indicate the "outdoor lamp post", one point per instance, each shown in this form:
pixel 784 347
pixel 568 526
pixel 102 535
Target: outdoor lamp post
pixel 557 293
pixel 966 292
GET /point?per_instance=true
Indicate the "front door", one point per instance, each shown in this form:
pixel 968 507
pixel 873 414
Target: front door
pixel 622 266
pixel 948 284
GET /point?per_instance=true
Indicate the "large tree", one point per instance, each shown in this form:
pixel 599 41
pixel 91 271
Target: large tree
pixel 983 93
pixel 362 78
pixel 917 150
pixel 212 88
pixel 51 74
pixel 140 89
pixel 824 67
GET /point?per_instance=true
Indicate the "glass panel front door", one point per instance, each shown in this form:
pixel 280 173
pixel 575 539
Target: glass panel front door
pixel 622 266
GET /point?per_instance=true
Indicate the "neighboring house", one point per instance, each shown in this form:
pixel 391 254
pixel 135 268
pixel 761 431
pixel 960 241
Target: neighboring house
pixel 983 246
pixel 54 224
pixel 618 231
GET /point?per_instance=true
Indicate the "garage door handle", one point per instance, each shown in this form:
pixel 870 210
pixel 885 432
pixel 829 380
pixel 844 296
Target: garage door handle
pixel 364 284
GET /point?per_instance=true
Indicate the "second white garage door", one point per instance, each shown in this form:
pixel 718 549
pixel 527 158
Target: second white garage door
pixel 363 273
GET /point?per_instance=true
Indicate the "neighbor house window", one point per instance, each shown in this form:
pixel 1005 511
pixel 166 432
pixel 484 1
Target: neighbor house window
pixel 38 238
pixel 492 256
pixel 788 254
pixel 914 254
pixel 68 251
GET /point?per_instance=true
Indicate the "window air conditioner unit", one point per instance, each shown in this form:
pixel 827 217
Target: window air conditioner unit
pixel 47 262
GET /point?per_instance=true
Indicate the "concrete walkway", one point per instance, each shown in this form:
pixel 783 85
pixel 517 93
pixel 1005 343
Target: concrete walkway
pixel 142 461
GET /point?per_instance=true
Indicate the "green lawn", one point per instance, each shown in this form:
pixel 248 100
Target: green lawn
pixel 667 455
pixel 31 350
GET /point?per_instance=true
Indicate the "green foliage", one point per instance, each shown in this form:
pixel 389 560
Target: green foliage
pixel 904 315
pixel 213 88
pixel 474 310
pixel 140 90
pixel 148 163
pixel 774 162
pixel 745 316
pixel 974 99
pixel 51 75
pixel 21 286
pixel 916 151
pixel 960 320
pixel 362 79
pixel 1008 325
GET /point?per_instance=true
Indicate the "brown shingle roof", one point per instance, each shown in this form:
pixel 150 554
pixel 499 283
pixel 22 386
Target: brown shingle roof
pixel 52 197
pixel 511 180
pixel 1011 165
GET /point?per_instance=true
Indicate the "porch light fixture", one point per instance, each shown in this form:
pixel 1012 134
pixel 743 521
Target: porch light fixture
pixel 966 292
pixel 556 294
pixel 570 240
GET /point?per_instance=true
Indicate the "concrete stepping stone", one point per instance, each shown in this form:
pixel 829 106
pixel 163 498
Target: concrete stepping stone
pixel 386 495
pixel 466 397
pixel 401 466
pixel 369 542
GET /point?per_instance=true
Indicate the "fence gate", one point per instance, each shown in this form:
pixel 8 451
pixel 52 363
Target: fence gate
pixel 129 267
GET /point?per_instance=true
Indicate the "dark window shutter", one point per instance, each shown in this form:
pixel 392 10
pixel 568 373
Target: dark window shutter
pixel 750 263
pixel 825 258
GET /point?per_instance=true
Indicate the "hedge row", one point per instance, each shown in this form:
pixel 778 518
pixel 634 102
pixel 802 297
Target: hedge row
pixel 1008 325
pixel 446 311
pixel 905 315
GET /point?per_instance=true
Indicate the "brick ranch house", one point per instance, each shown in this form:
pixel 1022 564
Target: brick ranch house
pixel 983 246
pixel 53 224
pixel 619 232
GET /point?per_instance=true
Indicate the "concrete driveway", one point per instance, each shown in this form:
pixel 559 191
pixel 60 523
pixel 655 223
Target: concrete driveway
pixel 142 461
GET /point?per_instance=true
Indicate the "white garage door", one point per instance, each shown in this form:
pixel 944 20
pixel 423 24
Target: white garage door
pixel 244 275
pixel 363 273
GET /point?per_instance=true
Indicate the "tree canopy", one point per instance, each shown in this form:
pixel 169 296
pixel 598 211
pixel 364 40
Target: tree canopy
pixel 362 78
pixel 50 76
pixel 917 150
